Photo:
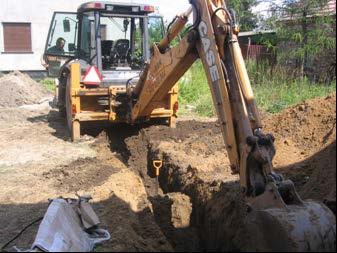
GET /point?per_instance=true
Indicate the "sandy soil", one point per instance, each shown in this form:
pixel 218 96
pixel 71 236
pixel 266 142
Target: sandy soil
pixel 19 89
pixel 38 162
pixel 196 164
pixel 198 198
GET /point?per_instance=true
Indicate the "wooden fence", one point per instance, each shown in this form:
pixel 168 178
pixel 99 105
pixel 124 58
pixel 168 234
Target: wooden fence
pixel 258 53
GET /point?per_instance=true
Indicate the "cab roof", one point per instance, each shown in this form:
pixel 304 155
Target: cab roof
pixel 117 7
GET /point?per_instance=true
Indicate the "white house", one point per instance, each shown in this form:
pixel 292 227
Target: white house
pixel 24 28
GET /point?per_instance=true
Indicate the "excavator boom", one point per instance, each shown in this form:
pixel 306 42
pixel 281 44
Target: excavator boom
pixel 273 202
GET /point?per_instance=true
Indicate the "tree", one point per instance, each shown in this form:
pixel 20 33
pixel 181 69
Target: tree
pixel 156 30
pixel 306 28
pixel 246 18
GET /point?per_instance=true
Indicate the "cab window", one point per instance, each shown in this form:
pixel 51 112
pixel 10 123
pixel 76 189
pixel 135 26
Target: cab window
pixel 87 47
pixel 61 42
pixel 122 42
pixel 62 35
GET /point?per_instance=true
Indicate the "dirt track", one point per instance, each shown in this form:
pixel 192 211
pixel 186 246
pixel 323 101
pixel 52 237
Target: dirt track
pixel 198 195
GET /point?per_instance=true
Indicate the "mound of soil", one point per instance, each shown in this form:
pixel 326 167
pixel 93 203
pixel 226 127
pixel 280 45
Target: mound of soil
pixel 199 206
pixel 305 141
pixel 306 144
pixel 19 89
pixel 321 183
pixel 309 126
pixel 196 164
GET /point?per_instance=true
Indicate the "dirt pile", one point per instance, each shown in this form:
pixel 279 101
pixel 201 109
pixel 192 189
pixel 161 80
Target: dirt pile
pixel 196 164
pixel 306 144
pixel 309 126
pixel 304 133
pixel 19 89
pixel 321 183
pixel 199 206
pixel 192 143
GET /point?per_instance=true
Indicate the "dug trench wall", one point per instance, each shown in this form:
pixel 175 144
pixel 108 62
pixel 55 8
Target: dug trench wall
pixel 196 165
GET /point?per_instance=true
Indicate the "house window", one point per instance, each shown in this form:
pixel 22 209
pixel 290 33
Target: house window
pixel 17 37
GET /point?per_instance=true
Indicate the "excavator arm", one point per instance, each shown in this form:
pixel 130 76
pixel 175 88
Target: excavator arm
pixel 213 39
pixel 273 202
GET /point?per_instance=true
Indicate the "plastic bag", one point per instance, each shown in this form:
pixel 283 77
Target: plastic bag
pixel 63 228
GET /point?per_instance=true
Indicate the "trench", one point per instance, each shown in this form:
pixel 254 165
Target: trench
pixel 197 202
pixel 195 215
pixel 218 207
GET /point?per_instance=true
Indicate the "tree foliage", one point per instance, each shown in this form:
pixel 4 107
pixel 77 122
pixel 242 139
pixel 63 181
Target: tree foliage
pixel 245 16
pixel 305 30
pixel 156 30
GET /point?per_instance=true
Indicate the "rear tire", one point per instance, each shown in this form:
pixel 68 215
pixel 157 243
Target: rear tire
pixel 61 97
pixel 62 112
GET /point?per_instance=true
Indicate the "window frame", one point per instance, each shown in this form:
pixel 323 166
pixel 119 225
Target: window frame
pixel 144 18
pixel 79 36
pixel 50 31
pixel 28 51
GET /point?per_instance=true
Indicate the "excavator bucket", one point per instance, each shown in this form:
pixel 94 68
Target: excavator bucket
pixel 299 228
pixel 279 221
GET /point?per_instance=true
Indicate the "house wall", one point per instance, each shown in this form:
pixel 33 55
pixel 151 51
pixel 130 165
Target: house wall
pixel 39 14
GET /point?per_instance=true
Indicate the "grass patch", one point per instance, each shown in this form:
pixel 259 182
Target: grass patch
pixel 279 96
pixel 195 95
pixel 49 84
pixel 274 90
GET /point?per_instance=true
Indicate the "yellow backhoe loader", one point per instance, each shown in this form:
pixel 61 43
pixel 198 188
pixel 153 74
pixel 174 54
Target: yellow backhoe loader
pixel 119 66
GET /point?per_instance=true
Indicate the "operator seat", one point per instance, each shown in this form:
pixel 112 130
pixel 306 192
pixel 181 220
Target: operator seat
pixel 106 50
pixel 120 51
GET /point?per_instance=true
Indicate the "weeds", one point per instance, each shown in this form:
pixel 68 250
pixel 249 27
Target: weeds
pixel 195 94
pixel 49 84
pixel 275 89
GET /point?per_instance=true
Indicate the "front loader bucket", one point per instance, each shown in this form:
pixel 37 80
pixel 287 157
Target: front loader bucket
pixel 309 226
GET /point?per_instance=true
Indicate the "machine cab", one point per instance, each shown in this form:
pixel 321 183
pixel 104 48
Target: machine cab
pixel 114 37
